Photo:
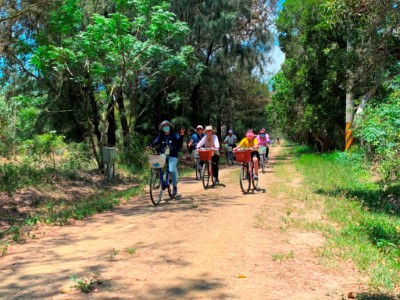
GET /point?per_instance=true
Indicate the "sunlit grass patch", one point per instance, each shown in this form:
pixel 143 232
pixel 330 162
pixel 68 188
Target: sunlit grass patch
pixel 367 216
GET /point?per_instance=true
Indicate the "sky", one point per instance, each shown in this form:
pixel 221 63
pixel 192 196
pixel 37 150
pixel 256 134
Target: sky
pixel 278 57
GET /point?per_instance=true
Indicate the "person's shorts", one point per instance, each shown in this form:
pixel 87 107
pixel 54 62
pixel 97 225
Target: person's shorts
pixel 255 153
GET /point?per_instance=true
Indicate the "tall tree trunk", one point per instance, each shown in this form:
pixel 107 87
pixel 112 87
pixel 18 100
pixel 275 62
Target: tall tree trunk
pixel 219 121
pixel 195 104
pixel 122 116
pixel 111 137
pixel 349 100
pixel 96 116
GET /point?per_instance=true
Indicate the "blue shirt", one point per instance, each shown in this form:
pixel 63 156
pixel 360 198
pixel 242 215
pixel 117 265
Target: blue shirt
pixel 196 139
pixel 172 140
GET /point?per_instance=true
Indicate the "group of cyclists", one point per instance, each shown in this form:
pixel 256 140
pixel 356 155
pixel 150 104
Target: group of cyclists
pixel 170 142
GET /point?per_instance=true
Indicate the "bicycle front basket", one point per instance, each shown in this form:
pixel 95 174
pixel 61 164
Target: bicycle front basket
pixel 243 156
pixel 156 161
pixel 205 154
pixel 262 150
pixel 228 148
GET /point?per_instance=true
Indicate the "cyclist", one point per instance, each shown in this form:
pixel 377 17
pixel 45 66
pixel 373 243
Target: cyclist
pixel 196 137
pixel 231 139
pixel 170 143
pixel 211 141
pixel 251 142
pixel 263 140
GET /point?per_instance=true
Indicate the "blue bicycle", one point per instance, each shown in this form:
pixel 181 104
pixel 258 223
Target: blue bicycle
pixel 159 178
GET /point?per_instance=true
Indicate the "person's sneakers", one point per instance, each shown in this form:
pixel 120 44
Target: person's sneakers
pixel 216 180
pixel 174 191
pixel 255 177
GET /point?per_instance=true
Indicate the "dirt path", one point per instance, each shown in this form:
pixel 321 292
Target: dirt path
pixel 211 244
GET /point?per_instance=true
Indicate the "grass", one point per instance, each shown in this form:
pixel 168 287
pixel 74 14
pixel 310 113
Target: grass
pixel 366 211
pixel 282 256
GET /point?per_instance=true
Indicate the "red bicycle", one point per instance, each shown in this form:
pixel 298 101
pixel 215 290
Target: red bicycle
pixel 206 154
pixel 246 176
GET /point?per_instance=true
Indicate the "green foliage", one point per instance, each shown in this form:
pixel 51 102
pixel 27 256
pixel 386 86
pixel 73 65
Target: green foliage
pixel 367 212
pixel 85 285
pixel 326 43
pixel 379 129
pixel 18 176
pixel 44 147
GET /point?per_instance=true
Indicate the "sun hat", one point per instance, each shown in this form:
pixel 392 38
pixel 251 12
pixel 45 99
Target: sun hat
pixel 165 122
pixel 262 130
pixel 230 131
pixel 199 127
pixel 209 128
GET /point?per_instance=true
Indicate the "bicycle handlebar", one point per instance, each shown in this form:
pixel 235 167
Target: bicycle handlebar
pixel 246 149
pixel 207 149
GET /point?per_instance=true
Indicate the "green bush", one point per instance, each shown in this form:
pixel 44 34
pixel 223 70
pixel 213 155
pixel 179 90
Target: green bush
pixel 379 130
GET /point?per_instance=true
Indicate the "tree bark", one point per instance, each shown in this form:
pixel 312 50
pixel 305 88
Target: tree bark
pixel 111 136
pixel 122 116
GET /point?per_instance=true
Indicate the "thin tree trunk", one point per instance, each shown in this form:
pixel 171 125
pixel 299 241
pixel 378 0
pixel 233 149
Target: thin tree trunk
pixel 96 116
pixel 111 136
pixel 122 116
pixel 365 100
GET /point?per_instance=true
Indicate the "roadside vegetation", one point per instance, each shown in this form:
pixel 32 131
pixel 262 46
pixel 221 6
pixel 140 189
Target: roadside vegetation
pixel 361 220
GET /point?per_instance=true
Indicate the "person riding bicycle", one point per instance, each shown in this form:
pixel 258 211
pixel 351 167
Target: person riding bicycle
pixel 211 141
pixel 230 139
pixel 251 142
pixel 196 137
pixel 263 140
pixel 170 143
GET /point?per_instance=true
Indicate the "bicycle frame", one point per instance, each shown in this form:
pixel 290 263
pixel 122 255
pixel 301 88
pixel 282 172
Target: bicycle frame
pixel 207 172
pixel 158 184
pixel 246 175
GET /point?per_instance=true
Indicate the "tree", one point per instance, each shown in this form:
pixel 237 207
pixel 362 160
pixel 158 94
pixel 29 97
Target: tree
pixel 337 52
pixel 109 59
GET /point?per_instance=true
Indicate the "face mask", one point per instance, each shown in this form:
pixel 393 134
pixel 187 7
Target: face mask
pixel 165 128
pixel 262 134
pixel 250 135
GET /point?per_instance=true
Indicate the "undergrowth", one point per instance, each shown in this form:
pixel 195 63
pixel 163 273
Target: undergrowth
pixel 367 211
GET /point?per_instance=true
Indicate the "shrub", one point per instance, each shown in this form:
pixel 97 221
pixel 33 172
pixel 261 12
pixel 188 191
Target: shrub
pixel 379 130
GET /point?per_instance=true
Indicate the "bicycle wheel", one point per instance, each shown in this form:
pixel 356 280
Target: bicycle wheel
pixel 244 182
pixel 198 168
pixel 229 158
pixel 262 163
pixel 155 187
pixel 169 187
pixel 254 181
pixel 206 174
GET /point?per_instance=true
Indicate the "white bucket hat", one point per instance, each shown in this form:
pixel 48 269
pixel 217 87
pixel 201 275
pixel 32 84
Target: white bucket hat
pixel 199 127
pixel 209 128
pixel 165 122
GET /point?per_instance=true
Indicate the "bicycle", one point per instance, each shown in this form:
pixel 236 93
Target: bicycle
pixel 159 166
pixel 206 154
pixel 229 155
pixel 262 150
pixel 197 166
pixel 246 176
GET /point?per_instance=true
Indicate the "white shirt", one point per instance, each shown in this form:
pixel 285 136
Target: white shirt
pixel 204 141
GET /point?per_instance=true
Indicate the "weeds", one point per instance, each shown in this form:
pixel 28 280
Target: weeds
pixel 282 256
pixel 114 253
pixel 131 250
pixel 4 248
pixel 86 284
pixel 367 213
